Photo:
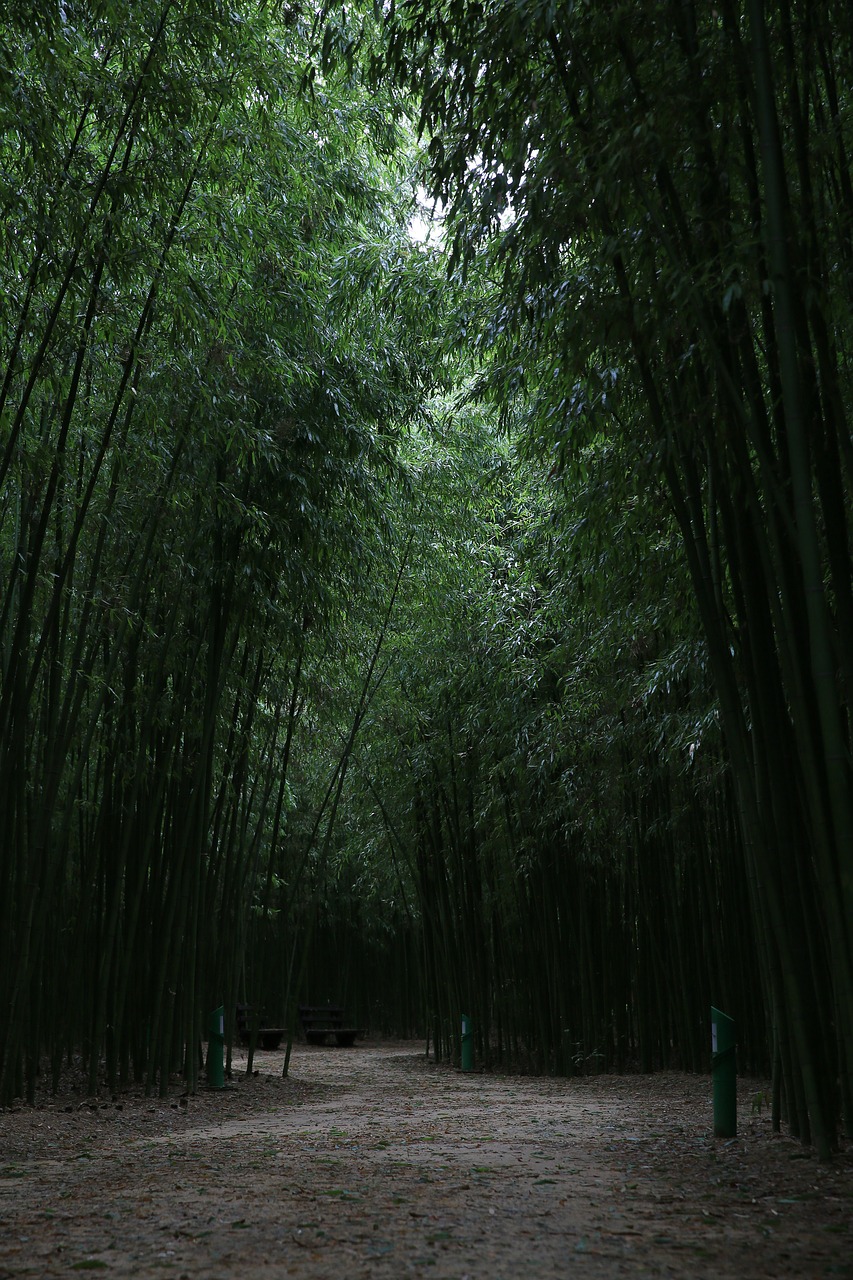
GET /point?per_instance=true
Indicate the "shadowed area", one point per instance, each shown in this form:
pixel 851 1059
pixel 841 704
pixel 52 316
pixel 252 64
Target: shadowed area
pixel 376 1162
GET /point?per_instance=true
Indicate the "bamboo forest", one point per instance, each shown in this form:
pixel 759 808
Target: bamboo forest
pixel 426 534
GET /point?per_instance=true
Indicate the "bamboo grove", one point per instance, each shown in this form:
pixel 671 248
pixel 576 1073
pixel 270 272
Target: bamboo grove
pixel 665 191
pixel 460 624
pixel 199 413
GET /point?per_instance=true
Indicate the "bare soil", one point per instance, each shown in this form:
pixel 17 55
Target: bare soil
pixel 373 1162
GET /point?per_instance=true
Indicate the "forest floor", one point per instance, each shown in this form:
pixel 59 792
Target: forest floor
pixel 373 1162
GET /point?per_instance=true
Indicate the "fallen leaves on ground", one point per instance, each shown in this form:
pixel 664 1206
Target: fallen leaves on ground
pixel 375 1162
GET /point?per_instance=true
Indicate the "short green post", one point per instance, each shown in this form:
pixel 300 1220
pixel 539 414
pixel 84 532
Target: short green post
pixel 467 1044
pixel 724 1072
pixel 216 1049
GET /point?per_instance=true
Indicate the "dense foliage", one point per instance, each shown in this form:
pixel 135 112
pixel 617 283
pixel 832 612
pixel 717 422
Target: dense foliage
pixel 205 376
pixel 460 624
pixel 665 189
pixel 546 772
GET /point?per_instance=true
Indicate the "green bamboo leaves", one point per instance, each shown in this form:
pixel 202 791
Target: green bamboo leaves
pixel 200 411
pixel 674 184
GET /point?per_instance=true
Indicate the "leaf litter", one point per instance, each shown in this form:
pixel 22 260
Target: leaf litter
pixel 376 1162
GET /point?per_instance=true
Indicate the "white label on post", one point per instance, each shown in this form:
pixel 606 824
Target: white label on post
pixel 222 1024
pixel 713 1037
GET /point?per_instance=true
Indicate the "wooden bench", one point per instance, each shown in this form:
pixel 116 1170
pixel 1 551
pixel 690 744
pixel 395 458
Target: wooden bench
pixel 321 1021
pixel 267 1037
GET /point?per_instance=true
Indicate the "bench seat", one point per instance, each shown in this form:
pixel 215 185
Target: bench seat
pixel 344 1036
pixel 267 1037
pixel 319 1022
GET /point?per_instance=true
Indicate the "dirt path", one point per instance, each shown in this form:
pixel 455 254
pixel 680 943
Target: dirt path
pixel 372 1162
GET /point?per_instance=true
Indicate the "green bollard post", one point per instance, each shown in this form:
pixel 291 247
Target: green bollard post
pixel 467 1044
pixel 724 1072
pixel 216 1049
